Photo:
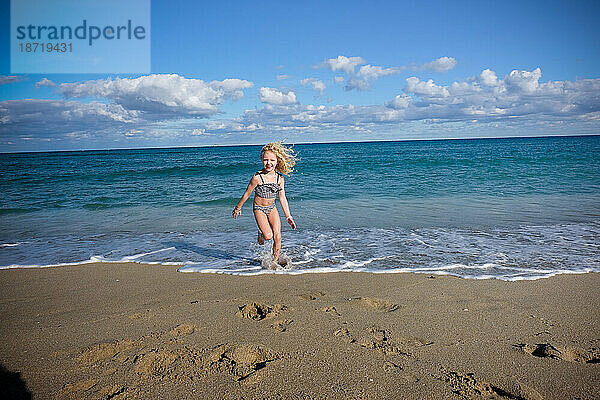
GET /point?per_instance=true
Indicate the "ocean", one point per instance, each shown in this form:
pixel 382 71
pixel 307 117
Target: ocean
pixel 510 209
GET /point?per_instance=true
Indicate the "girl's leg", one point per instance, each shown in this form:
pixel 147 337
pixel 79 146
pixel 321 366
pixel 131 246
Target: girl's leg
pixel 263 225
pixel 275 223
pixel 260 238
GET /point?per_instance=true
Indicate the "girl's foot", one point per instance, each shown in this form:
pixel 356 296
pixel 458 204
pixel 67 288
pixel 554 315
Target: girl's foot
pixel 261 238
pixel 283 260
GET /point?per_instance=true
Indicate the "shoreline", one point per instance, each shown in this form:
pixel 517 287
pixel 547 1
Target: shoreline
pixel 132 330
pixel 294 272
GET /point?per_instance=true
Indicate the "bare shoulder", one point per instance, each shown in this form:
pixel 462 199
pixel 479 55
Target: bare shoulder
pixel 255 179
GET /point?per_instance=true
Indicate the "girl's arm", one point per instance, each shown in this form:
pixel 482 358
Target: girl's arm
pixel 285 205
pixel 238 208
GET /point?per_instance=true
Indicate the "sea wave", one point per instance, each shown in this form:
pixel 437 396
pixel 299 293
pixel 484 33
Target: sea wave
pixel 506 253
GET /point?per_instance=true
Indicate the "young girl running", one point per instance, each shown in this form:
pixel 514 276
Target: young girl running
pixel 267 184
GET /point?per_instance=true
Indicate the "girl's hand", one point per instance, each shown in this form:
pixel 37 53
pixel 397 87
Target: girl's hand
pixel 236 212
pixel 290 221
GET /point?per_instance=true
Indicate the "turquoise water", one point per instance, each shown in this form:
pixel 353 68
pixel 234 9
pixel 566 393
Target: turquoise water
pixel 505 208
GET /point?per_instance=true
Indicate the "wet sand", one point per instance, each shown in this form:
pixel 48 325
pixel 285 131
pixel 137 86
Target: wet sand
pixel 131 331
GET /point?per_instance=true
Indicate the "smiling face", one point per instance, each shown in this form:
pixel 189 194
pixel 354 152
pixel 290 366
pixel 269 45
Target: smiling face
pixel 269 160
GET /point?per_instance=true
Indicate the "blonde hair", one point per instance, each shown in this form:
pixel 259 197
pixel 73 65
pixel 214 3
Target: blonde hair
pixel 286 159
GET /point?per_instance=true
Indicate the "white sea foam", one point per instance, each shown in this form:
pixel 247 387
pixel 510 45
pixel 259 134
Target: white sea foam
pixel 140 255
pixel 92 260
pixel 324 270
pixel 452 270
pixel 356 263
pixel 507 253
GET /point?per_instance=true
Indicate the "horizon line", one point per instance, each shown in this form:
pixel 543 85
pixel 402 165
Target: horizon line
pixel 301 143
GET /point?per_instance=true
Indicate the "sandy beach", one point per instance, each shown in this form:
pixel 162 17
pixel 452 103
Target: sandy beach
pixel 121 331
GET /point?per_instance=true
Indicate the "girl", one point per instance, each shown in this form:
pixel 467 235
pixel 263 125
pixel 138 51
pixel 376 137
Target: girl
pixel 266 184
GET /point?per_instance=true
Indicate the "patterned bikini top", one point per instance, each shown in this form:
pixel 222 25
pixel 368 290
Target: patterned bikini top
pixel 267 190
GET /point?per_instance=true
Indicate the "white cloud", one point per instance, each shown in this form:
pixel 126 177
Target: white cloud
pixel 225 126
pixel 74 135
pixel 518 95
pixel 463 88
pixel 366 74
pixel 229 126
pixel 199 132
pixel 523 81
pixel 7 79
pixel 133 132
pixel 316 84
pixel 231 88
pixel 56 117
pixel 299 116
pixel 122 108
pixel 549 103
pixel 45 82
pixel 162 95
pixel 338 79
pixel 516 100
pixel 399 102
pixel 429 89
pixel 282 77
pixel 276 97
pixel 32 109
pixel 488 77
pixel 355 83
pixel 252 127
pixel 375 71
pixel 442 64
pixel 342 63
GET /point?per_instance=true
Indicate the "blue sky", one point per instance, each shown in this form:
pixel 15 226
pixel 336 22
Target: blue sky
pixel 240 72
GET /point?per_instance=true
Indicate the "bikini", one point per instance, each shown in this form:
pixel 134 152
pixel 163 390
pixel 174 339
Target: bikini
pixel 266 191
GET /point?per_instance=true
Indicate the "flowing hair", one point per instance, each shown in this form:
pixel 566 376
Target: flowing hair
pixel 286 159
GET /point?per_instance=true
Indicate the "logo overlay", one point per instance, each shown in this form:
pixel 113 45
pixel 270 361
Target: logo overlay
pixel 80 36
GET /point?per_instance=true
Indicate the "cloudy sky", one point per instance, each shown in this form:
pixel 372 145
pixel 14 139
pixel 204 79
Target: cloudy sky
pixel 252 72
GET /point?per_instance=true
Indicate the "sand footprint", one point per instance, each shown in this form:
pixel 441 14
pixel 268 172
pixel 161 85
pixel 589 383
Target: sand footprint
pixel 381 340
pixel 76 389
pixel 117 350
pixel 156 357
pixel 375 304
pixel 183 329
pixel 82 389
pixel 153 357
pixel 312 295
pixel 378 339
pixel 258 312
pixel 282 325
pixel 240 361
pixel 157 363
pixel 393 350
pixel 344 334
pixel 331 311
pixel 468 387
pixel 571 354
pixel 394 368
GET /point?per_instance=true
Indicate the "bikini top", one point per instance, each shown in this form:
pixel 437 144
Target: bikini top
pixel 267 190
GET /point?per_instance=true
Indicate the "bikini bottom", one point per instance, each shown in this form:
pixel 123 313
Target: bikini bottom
pixel 266 209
